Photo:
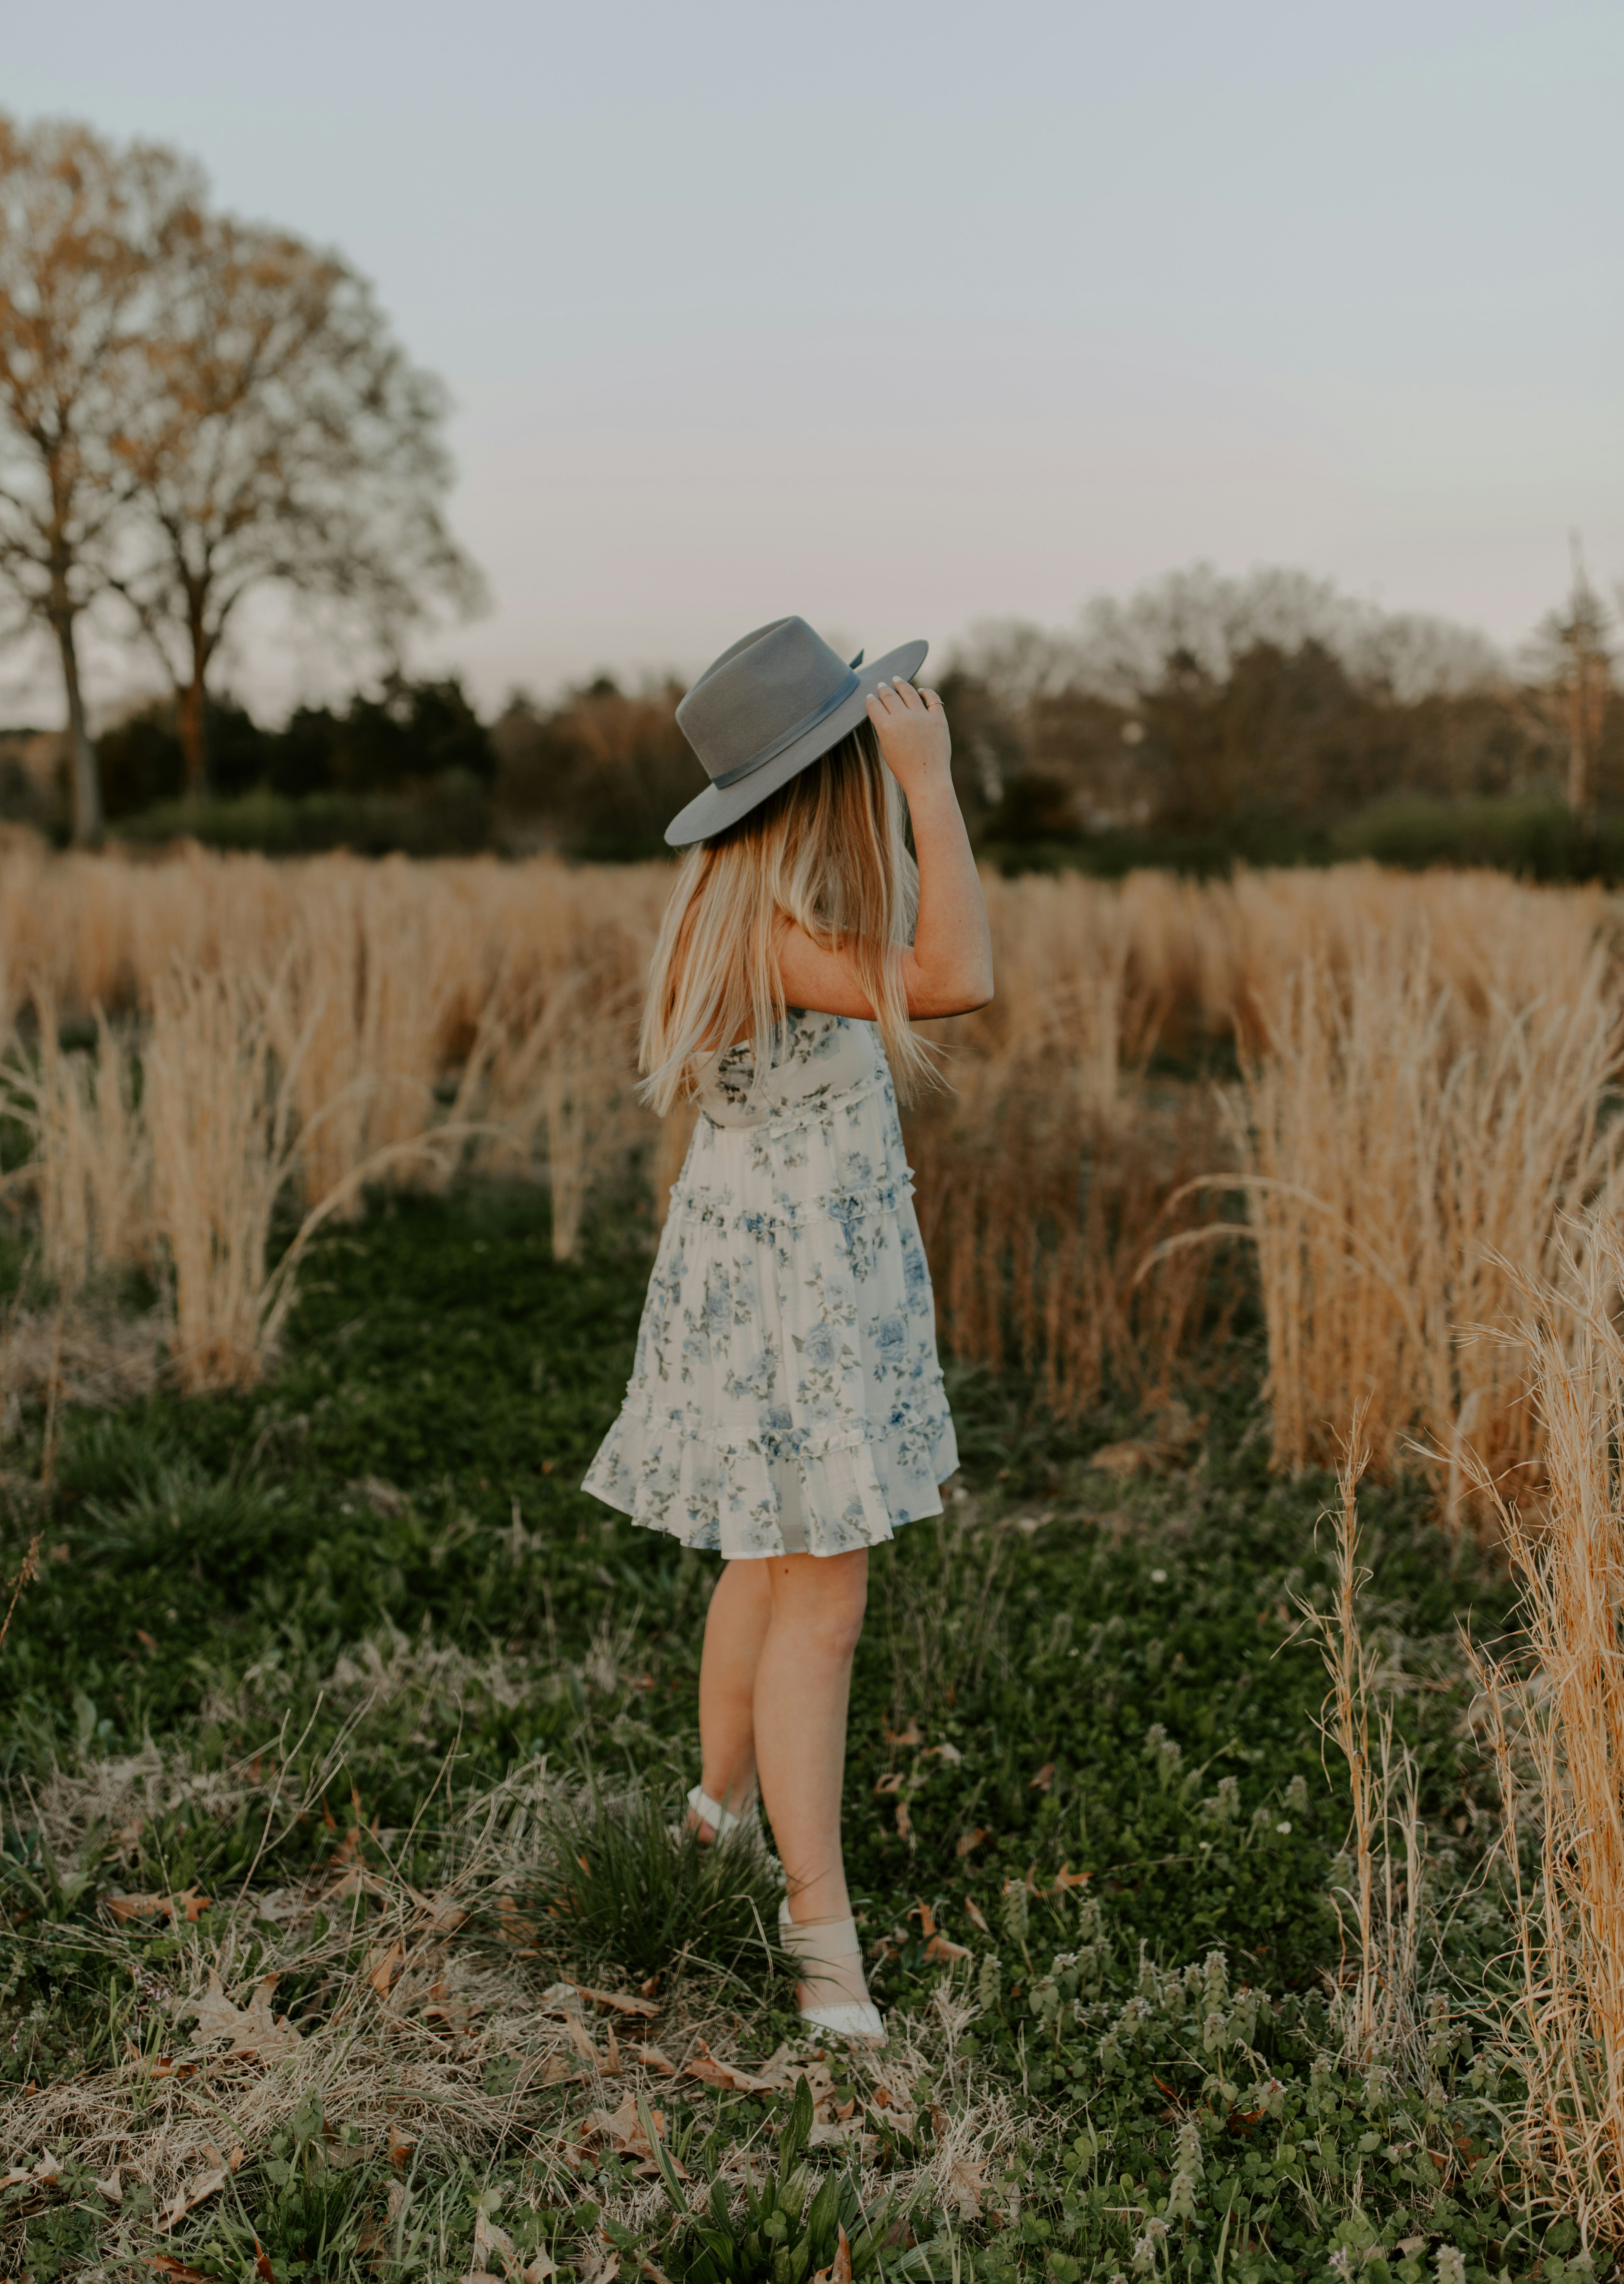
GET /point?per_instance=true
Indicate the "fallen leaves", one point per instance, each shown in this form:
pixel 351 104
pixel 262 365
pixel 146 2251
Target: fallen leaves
pixel 1044 1778
pixel 517 2268
pixel 839 2270
pixel 967 2182
pixel 622 2131
pixel 705 2066
pixel 43 2173
pixel 249 2030
pixel 202 2187
pixel 187 1908
pixel 968 1841
pixel 937 1944
pixel 1126 1459
pixel 621 2002
pixel 513 1926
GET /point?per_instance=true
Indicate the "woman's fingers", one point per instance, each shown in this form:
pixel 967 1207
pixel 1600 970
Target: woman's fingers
pixel 906 695
pixel 930 700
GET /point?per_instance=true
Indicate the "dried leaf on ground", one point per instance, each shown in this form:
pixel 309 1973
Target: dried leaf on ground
pixel 705 2066
pixel 187 1907
pixel 251 2030
pixel 967 2179
pixel 622 2130
pixel 560 1993
pixel 202 2187
pixel 1128 1459
pixel 839 2270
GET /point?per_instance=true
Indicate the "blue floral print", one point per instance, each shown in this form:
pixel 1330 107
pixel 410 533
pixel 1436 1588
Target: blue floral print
pixel 790 1323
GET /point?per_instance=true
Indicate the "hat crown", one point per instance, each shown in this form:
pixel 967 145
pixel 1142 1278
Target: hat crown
pixel 753 699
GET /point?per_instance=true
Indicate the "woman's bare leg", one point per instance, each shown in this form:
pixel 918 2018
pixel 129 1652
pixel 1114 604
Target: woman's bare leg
pixel 802 1683
pixel 736 1628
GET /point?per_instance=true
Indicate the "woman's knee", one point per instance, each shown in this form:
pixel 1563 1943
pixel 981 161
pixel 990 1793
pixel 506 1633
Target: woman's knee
pixel 823 1597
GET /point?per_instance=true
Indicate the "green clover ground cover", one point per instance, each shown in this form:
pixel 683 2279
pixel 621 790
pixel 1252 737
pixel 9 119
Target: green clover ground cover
pixel 1071 1674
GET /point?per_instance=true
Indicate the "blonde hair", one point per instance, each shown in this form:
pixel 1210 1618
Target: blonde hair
pixel 826 851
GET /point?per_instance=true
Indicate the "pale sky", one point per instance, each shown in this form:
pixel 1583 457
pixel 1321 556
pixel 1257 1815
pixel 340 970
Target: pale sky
pixel 903 316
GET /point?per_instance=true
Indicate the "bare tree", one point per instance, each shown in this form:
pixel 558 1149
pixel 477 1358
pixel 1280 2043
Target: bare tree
pixel 83 225
pixel 285 440
pixel 1573 654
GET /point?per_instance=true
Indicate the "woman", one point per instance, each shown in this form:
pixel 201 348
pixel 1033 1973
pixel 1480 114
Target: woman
pixel 786 1406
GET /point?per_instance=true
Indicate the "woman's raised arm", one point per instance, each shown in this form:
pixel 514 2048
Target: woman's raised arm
pixel 948 970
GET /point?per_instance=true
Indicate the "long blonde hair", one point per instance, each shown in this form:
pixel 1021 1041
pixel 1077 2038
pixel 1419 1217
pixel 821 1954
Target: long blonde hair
pixel 826 851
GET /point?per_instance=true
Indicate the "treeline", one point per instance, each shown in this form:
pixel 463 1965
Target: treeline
pixel 1272 720
pixel 1201 722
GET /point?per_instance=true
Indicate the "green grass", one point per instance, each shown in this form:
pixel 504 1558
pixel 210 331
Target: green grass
pixel 363 1617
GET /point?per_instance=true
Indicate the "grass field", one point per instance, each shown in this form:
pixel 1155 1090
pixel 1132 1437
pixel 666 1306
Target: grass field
pixel 344 1936
pixel 307 1651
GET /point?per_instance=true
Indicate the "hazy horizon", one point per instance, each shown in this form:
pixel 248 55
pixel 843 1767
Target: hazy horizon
pixel 910 318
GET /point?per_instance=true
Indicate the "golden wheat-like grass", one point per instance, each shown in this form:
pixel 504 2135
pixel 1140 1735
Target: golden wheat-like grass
pixel 1555 1715
pixel 1426 1065
pixel 1404 1156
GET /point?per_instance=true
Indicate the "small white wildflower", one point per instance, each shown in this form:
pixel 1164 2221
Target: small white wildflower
pixel 1159 1577
pixel 1297 1794
pixel 1181 2198
pixel 1145 2247
pixel 1044 1999
pixel 1284 1824
pixel 1451 2264
pixel 1190 2159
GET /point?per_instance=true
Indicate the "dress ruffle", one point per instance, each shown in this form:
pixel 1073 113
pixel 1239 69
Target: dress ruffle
pixel 788 1345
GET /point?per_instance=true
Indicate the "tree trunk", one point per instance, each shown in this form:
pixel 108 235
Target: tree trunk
pixel 194 739
pixel 84 776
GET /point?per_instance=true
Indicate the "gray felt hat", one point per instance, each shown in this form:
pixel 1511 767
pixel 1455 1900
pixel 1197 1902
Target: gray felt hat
pixel 772 703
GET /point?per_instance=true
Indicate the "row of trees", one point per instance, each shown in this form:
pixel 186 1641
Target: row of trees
pixel 193 408
pixel 1206 706
pixel 1252 716
pixel 1200 720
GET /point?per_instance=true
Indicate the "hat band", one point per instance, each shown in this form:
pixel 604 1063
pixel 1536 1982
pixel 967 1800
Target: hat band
pixel 770 753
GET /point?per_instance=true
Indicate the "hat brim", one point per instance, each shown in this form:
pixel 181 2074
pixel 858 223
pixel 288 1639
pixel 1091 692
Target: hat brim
pixel 713 810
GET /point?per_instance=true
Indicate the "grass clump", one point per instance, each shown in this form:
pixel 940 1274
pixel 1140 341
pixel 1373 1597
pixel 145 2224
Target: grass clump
pixel 632 1889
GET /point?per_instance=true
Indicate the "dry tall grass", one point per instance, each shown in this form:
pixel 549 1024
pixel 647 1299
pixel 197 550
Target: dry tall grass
pixel 1426 1066
pixel 1407 1155
pixel 1379 1903
pixel 1555 1712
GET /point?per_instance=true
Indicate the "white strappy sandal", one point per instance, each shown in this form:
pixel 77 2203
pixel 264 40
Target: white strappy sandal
pixel 721 1820
pixel 724 1820
pixel 826 1943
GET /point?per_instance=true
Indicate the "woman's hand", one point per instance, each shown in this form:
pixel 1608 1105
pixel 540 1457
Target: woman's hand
pixel 915 741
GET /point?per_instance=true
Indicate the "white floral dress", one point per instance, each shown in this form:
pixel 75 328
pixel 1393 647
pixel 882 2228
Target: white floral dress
pixel 786 1395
